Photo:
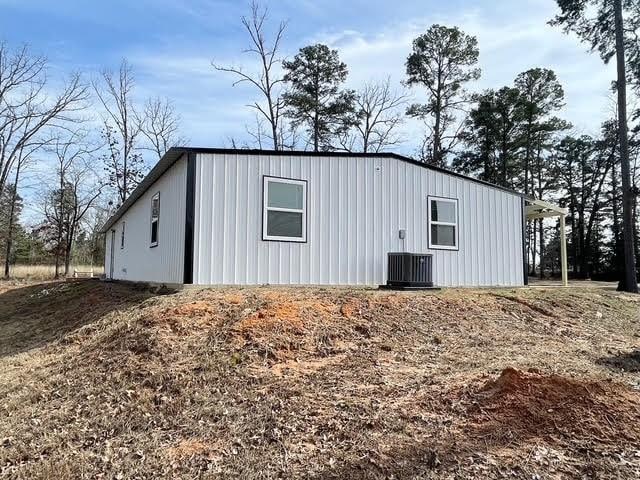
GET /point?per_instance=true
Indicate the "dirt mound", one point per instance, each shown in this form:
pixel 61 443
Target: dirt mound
pixel 278 325
pixel 529 404
pixel 107 380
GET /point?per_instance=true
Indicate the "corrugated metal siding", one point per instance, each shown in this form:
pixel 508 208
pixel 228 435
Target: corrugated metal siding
pixel 107 254
pixel 356 206
pixel 164 263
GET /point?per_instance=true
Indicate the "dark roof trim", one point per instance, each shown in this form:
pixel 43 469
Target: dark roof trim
pixel 175 153
pixel 165 163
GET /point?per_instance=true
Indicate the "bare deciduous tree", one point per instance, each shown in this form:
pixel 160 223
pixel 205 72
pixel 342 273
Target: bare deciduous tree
pixel 20 163
pixel 160 125
pixel 122 129
pixel 26 108
pixel 269 78
pixel 379 115
pixel 76 192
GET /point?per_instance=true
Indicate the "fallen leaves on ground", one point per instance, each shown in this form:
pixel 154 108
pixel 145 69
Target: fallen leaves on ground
pixel 107 381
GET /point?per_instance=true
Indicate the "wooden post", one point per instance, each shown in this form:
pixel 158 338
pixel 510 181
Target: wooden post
pixel 563 252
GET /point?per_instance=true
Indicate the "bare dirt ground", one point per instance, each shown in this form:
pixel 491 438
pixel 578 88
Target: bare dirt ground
pixel 112 381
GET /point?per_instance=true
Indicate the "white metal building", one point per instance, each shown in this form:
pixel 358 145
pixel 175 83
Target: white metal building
pixel 246 217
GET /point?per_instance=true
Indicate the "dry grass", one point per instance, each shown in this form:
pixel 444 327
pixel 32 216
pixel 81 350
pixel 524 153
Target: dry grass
pixel 47 272
pixel 108 381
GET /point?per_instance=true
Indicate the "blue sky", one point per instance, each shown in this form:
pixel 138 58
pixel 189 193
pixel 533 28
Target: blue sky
pixel 171 45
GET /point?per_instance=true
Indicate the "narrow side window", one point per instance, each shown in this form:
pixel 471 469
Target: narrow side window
pixel 155 218
pixel 284 210
pixel 443 223
pixel 122 236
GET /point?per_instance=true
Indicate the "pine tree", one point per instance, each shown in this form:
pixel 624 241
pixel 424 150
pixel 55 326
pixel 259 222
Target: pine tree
pixel 443 60
pixel 314 98
pixel 601 23
pixel 492 134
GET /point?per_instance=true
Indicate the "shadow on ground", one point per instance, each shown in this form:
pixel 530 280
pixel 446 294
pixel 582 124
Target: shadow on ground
pixel 36 315
pixel 626 361
pixel 518 410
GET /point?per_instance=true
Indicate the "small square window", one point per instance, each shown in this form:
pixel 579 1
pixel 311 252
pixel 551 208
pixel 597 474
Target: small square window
pixel 284 213
pixel 443 223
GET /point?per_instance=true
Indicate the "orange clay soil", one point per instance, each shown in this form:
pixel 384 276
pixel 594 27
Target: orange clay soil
pixel 531 405
pixel 113 381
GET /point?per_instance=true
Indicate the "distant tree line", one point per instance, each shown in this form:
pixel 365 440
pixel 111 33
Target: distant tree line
pixel 511 135
pixel 83 162
pixel 74 164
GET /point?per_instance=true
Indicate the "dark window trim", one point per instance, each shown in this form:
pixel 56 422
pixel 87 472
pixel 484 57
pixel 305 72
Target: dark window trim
pixel 457 227
pixel 152 243
pixel 122 236
pixel 306 210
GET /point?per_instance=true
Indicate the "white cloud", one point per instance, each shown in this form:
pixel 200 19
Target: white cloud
pixel 511 40
pixel 508 46
pixel 212 109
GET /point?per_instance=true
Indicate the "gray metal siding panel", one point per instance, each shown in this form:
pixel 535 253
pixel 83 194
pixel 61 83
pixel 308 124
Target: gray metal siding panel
pixel 355 208
pixel 164 263
pixel 107 254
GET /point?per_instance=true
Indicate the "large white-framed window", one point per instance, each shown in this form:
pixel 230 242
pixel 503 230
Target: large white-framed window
pixel 284 209
pixel 443 223
pixel 155 219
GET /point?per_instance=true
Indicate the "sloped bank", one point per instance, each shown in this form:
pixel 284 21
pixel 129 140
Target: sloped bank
pixel 317 383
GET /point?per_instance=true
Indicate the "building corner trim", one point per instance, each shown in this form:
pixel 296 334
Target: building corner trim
pixel 189 219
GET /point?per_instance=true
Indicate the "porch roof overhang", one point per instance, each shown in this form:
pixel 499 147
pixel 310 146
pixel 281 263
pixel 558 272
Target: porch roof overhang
pixel 539 209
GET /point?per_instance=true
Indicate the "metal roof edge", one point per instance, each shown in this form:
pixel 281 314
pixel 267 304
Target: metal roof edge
pixel 174 154
pixel 397 156
pixel 164 164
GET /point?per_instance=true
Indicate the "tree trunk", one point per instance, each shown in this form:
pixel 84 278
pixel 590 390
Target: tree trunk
pixel 274 130
pixel 57 272
pixel 533 232
pixel 581 242
pixel 503 161
pixel 615 227
pixel 540 195
pixel 436 160
pixel 574 238
pixel 67 253
pixel 7 258
pixel 71 233
pixel 365 135
pixel 630 283
pixel 316 118
pixel 436 140
pixel 316 132
pixel 12 212
pixel 60 226
pixel 67 260
pixel 272 116
pixel 527 157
